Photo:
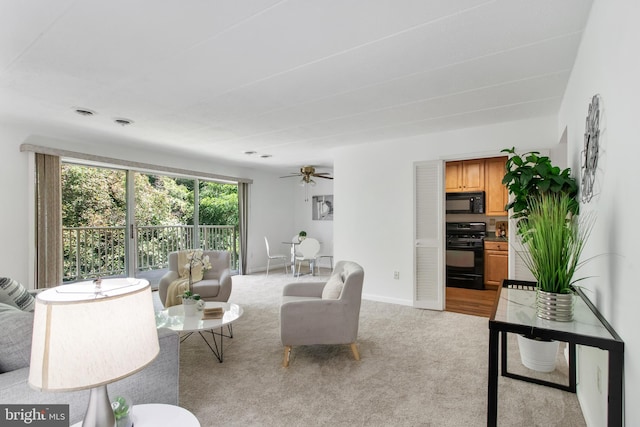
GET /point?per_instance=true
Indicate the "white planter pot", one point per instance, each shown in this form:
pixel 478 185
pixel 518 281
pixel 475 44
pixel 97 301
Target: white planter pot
pixel 538 355
pixel 190 307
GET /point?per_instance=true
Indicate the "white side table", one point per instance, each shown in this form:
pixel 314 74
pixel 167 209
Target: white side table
pixel 160 415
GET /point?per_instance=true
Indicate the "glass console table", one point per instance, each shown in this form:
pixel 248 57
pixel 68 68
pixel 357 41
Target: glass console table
pixel 515 312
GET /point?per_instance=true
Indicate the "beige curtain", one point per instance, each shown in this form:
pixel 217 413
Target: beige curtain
pixel 243 214
pixel 48 221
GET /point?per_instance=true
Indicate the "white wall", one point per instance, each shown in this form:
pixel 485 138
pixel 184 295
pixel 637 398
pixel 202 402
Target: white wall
pixel 271 208
pixel 294 215
pixel 606 65
pixel 321 230
pixel 374 195
pixel 14 215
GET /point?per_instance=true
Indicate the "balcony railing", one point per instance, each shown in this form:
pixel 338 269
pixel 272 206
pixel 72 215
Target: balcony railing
pixel 100 251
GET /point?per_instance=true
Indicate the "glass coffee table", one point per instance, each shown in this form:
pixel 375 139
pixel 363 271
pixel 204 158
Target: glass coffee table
pixel 173 318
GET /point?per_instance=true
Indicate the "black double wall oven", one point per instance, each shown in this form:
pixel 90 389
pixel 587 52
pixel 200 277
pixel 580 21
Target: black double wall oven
pixel 465 254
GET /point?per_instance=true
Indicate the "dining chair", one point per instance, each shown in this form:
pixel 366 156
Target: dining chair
pixel 307 251
pixel 284 258
pixel 319 256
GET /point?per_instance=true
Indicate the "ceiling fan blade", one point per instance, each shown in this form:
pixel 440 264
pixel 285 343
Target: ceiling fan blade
pixel 289 176
pixel 325 177
pixel 321 173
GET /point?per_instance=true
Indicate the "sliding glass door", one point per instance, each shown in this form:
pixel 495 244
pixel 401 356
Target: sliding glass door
pixel 118 222
pixel 93 222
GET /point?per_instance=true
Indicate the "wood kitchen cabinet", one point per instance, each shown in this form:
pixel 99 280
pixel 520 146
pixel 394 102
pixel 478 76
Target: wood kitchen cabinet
pixel 496 262
pixel 497 195
pixel 464 175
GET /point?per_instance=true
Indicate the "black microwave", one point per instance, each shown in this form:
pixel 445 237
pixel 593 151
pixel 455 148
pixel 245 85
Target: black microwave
pixel 465 203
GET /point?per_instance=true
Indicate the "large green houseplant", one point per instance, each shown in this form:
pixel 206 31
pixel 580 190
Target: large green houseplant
pixel 544 204
pixel 546 208
pixel 530 174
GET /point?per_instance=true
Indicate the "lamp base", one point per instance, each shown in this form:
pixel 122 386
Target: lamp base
pixel 99 412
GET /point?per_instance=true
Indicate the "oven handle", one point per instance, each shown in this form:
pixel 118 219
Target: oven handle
pixel 465 278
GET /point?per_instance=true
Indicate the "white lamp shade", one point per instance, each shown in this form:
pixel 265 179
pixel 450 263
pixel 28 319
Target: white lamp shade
pixel 83 340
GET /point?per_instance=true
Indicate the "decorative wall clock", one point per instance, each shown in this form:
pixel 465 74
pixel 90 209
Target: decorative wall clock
pixel 590 152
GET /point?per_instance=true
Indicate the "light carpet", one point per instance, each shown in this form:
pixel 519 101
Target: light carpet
pixel 417 368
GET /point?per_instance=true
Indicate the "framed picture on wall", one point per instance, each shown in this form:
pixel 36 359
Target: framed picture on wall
pixel 322 208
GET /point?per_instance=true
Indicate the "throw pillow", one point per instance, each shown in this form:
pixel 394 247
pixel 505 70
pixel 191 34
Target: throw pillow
pixel 333 288
pixel 13 293
pixel 15 338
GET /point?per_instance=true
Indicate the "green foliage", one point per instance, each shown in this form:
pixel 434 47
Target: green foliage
pixel 190 295
pixel 96 197
pixel 120 408
pixel 555 239
pixel 161 201
pixel 529 175
pixel 218 204
pixel 92 197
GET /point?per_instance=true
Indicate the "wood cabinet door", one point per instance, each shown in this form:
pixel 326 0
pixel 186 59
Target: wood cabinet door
pixel 453 177
pixel 496 193
pixel 473 175
pixel 465 175
pixel 496 267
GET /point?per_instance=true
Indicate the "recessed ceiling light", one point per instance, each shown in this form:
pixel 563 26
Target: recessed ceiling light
pixel 250 153
pixel 84 111
pixel 265 156
pixel 123 122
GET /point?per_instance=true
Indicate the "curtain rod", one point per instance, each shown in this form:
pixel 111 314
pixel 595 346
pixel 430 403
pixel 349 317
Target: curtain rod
pixel 130 164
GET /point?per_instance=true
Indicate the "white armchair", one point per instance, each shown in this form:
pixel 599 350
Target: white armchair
pixel 323 313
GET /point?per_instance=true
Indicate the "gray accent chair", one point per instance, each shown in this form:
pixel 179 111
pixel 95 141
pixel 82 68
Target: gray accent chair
pixel 214 286
pixel 310 315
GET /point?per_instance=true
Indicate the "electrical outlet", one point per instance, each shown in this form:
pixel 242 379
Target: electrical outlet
pixel 396 275
pixel 492 221
pixel 599 379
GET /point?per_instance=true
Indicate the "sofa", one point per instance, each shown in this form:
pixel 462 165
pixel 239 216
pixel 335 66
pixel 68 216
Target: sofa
pixel 215 284
pixel 156 383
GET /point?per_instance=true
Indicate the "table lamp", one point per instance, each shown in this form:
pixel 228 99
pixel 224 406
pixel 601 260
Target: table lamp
pixel 87 335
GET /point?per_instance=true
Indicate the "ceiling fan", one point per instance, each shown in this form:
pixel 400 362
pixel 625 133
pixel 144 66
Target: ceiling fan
pixel 306 172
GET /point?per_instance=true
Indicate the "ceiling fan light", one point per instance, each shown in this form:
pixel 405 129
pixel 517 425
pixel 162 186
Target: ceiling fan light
pixel 312 183
pixel 302 182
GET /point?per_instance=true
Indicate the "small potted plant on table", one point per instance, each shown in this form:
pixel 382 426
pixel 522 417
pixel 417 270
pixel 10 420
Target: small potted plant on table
pixel 191 303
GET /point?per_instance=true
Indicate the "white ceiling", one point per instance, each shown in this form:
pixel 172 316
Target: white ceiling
pixel 288 78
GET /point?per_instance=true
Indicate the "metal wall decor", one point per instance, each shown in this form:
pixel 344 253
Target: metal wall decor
pixel 590 153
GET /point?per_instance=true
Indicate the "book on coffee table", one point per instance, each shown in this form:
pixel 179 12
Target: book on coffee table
pixel 212 313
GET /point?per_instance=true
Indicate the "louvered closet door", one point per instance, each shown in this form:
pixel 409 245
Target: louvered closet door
pixel 429 235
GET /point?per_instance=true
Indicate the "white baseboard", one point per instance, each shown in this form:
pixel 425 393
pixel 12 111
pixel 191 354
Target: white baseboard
pixel 378 298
